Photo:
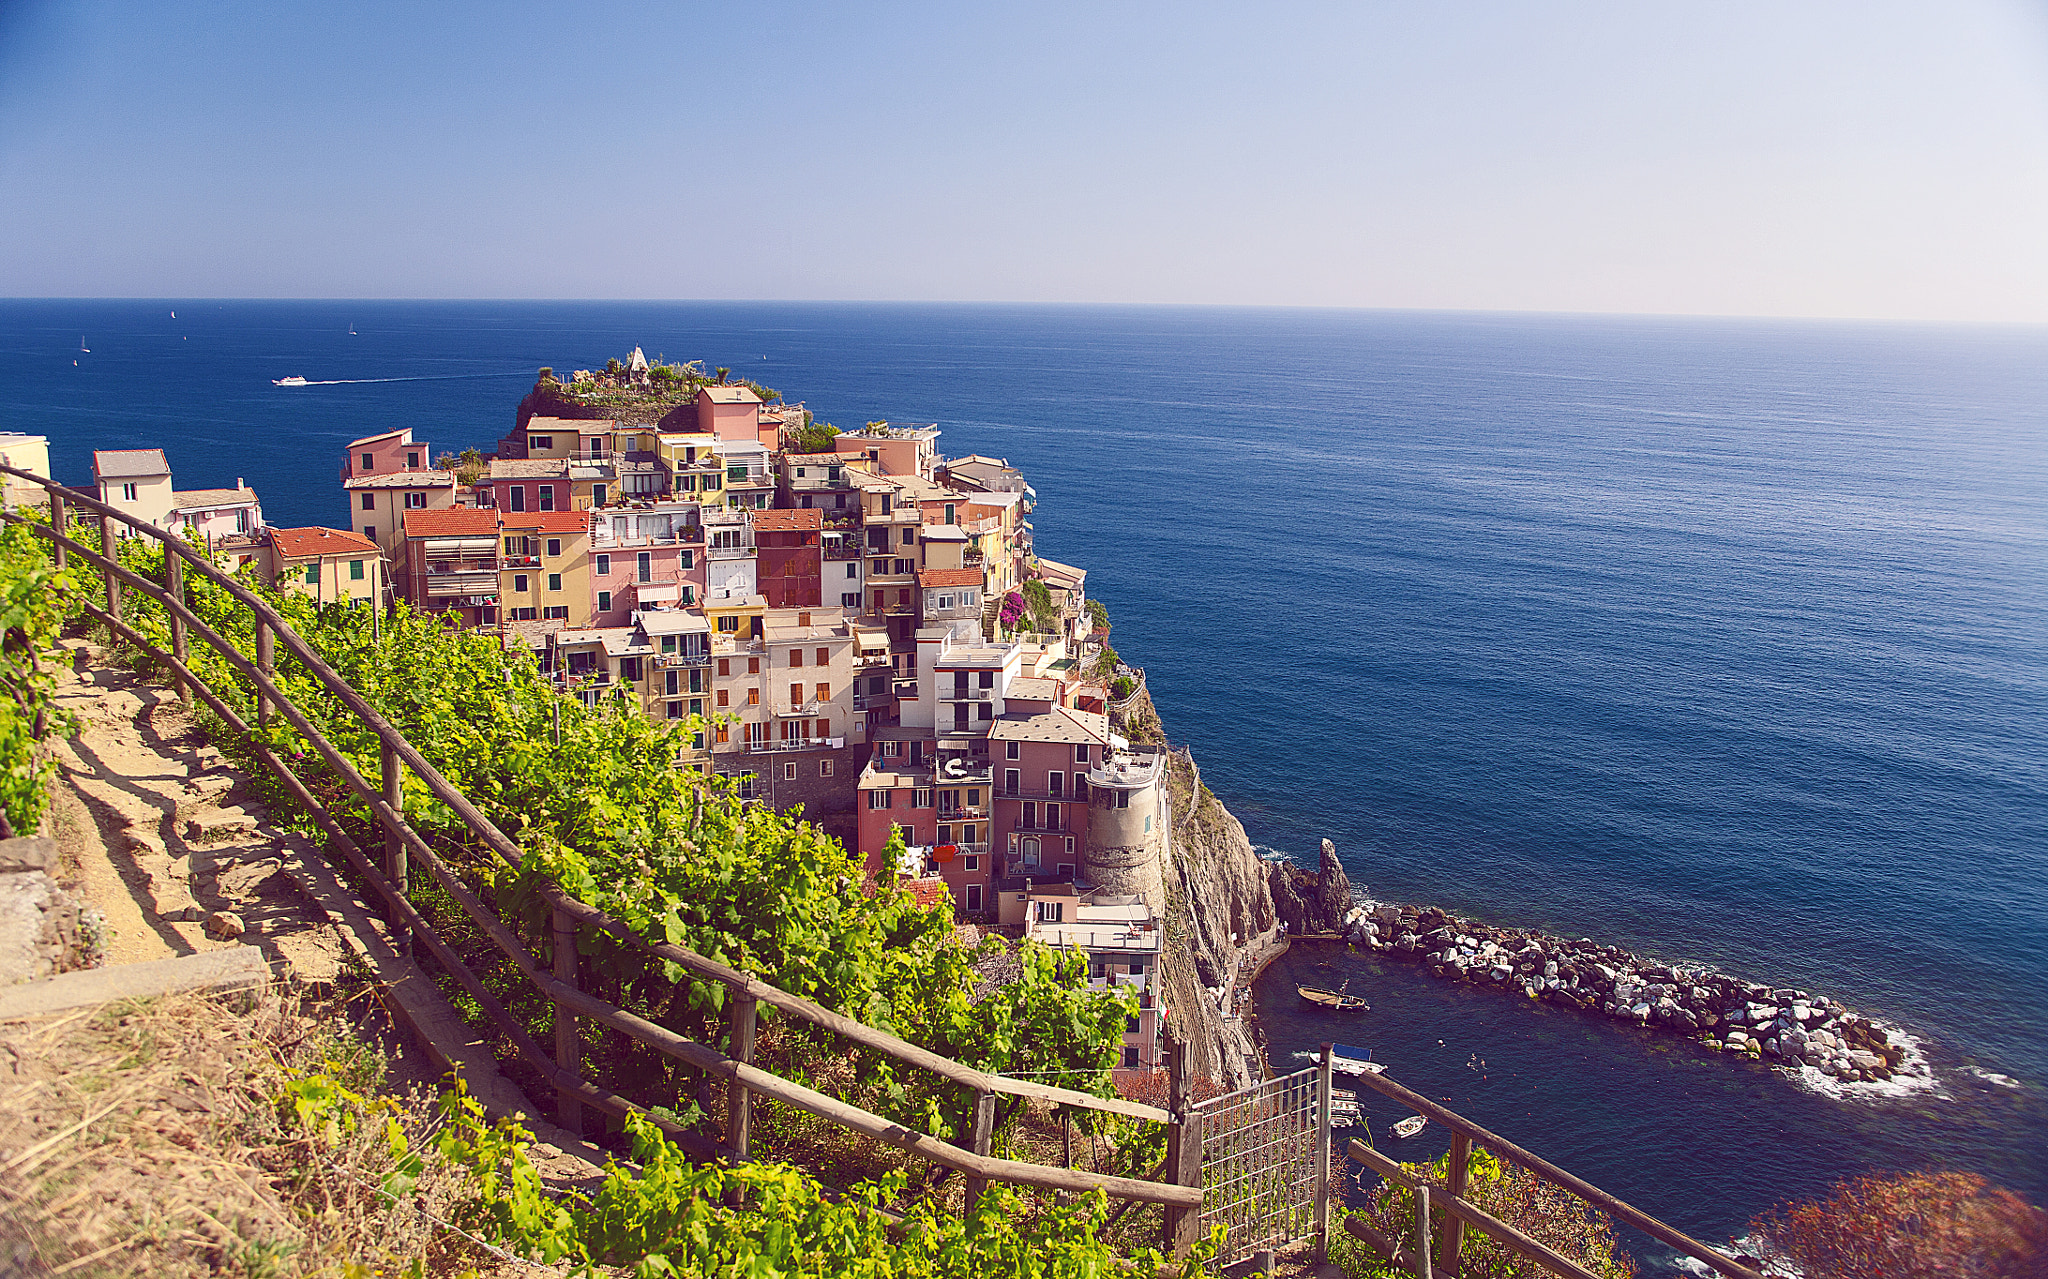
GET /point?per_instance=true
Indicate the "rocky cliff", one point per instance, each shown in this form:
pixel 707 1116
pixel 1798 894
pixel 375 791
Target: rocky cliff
pixel 1219 915
pixel 1312 903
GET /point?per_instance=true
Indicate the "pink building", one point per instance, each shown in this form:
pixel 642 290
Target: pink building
pixel 1041 762
pixel 734 413
pixel 383 454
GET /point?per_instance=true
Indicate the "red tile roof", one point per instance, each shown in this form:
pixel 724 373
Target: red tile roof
pixel 788 521
pixel 547 521
pixel 305 543
pixel 928 892
pixel 950 577
pixel 458 522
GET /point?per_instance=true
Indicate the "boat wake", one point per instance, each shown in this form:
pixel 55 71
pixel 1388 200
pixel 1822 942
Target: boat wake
pixel 356 381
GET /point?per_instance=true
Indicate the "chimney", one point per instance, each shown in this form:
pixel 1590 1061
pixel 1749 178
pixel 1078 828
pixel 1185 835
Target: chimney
pixel 239 484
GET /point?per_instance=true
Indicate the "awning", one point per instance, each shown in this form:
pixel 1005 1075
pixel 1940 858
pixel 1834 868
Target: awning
pixel 656 593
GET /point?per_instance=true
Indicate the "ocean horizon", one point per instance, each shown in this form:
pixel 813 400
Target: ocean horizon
pixel 1724 640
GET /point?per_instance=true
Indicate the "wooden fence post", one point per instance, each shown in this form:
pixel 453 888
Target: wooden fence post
pixel 109 550
pixel 59 554
pixel 1422 1231
pixel 174 581
pixel 394 843
pixel 1454 1226
pixel 568 1044
pixel 1183 1226
pixel 266 661
pixel 739 1103
pixel 984 1130
pixel 1322 1220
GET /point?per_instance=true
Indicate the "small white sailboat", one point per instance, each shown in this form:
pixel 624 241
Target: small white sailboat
pixel 1410 1126
pixel 351 330
pixel 83 349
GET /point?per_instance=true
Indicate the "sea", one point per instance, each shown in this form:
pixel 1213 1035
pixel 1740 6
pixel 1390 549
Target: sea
pixel 1723 640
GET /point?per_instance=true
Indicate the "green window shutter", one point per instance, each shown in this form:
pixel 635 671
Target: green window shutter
pixel 554 581
pixel 313 573
pixel 355 570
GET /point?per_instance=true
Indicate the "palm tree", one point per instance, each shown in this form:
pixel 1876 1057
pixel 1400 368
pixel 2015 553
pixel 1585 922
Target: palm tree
pixel 722 373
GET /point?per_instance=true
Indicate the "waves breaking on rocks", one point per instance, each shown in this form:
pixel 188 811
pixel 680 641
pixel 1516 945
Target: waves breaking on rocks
pixel 1820 1041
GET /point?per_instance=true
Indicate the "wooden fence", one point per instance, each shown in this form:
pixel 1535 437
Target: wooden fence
pixel 404 850
pixel 1459 1213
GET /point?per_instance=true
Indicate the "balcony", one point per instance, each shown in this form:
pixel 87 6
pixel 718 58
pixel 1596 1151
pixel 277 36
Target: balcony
pixel 967 695
pixel 739 552
pixel 520 561
pixel 899 610
pixel 472 582
pixel 1027 792
pixel 667 660
pixel 868 661
pixel 799 744
pixel 968 850
pixel 844 551
pixel 813 709
pixel 964 813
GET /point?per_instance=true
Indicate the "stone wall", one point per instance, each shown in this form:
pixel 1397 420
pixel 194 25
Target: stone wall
pixel 43 930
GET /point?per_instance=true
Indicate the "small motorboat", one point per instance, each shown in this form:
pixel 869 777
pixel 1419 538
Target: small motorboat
pixel 294 380
pixel 1410 1126
pixel 1335 1001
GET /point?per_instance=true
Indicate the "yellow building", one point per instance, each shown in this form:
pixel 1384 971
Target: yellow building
pixel 329 564
pixel 544 573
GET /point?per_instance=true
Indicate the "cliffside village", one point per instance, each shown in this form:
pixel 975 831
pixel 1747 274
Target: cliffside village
pixel 851 625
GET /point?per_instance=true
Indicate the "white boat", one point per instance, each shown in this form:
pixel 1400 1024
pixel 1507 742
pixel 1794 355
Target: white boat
pixel 1352 1066
pixel 1410 1126
pixel 289 381
pixel 83 349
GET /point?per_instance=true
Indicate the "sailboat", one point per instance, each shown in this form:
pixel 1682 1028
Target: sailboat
pixel 351 330
pixel 83 349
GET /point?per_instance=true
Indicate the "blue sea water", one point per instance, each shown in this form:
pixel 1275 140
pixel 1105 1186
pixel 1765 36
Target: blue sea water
pixel 1723 640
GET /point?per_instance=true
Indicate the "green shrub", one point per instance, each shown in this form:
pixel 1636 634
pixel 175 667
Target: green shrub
pixel 33 604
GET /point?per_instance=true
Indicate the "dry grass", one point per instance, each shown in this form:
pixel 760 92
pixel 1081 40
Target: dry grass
pixel 146 1138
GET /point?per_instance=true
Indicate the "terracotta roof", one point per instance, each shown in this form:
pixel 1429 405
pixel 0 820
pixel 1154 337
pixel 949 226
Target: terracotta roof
pixel 788 521
pixel 547 521
pixel 129 463
pixel 404 480
pixel 372 439
pixel 305 543
pixel 729 395
pixel 461 521
pixel 950 577
pixel 928 892
pixel 202 499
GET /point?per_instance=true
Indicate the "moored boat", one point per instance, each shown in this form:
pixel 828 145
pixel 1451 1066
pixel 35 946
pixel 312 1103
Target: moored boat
pixel 1334 1000
pixel 1410 1126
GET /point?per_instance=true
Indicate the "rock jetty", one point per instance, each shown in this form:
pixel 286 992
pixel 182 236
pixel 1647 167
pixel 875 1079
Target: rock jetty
pixel 1723 1013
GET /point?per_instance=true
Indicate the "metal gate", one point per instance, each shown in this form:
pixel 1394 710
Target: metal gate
pixel 1266 1162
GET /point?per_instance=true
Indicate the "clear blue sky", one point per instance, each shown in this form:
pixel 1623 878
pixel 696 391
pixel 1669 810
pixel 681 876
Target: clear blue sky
pixel 1854 159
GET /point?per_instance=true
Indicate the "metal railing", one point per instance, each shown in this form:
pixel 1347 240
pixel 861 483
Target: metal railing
pixel 1460 1214
pixel 405 848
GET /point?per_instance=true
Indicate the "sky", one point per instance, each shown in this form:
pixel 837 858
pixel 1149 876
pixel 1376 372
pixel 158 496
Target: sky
pixel 1868 159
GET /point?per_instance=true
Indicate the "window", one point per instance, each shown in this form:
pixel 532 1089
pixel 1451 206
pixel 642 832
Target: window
pixel 369 499
pixel 973 860
pixel 511 546
pixel 696 706
pixel 128 495
pixel 729 624
pixel 724 734
pixel 905 568
pixel 554 581
pixel 675 710
pixel 909 536
pixel 547 497
pixel 973 895
pixel 921 798
pixel 604 601
pixel 824 768
pixel 849 599
pixel 1051 912
pixel 988 680
pixel 1123 799
pixel 754 696
pixel 1029 820
pixel 1052 816
pixel 725 666
pixel 945 603
pixel 722 694
pixel 796 657
pixel 241 521
pixel 556 612
pixel 1148 823
pixel 891 749
pixel 597 494
pixel 355 570
pixel 945 833
pixel 554 546
pixel 412 461
pixel 519 581
pixel 643 566
pixel 853 570
pixel 1080 786
pixel 736 472
pixel 604 566
pixel 753 666
pixel 879 798
pixel 313 573
pixel 670 683
pixel 1055 783
pixel 689 559
pixel 369 461
pixel 668 643
pixel 1081 753
pixel 1130 1059
pixel 1070 846
pixel 629 669
pixel 1010 752
pixel 949 514
pixel 824 656
pixel 545 443
pixel 696 679
pixel 789 771
pixel 370 531
pixel 796 694
pixel 518 493
pixel 1012 780
pixel 824 692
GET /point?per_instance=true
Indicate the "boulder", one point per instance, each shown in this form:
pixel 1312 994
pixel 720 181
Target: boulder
pixel 224 925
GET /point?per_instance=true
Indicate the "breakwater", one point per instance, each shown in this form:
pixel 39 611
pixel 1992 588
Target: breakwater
pixel 1783 1025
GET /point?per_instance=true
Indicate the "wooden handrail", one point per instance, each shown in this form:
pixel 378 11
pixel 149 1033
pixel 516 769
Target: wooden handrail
pixel 272 628
pixel 1470 1214
pixel 1585 1190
